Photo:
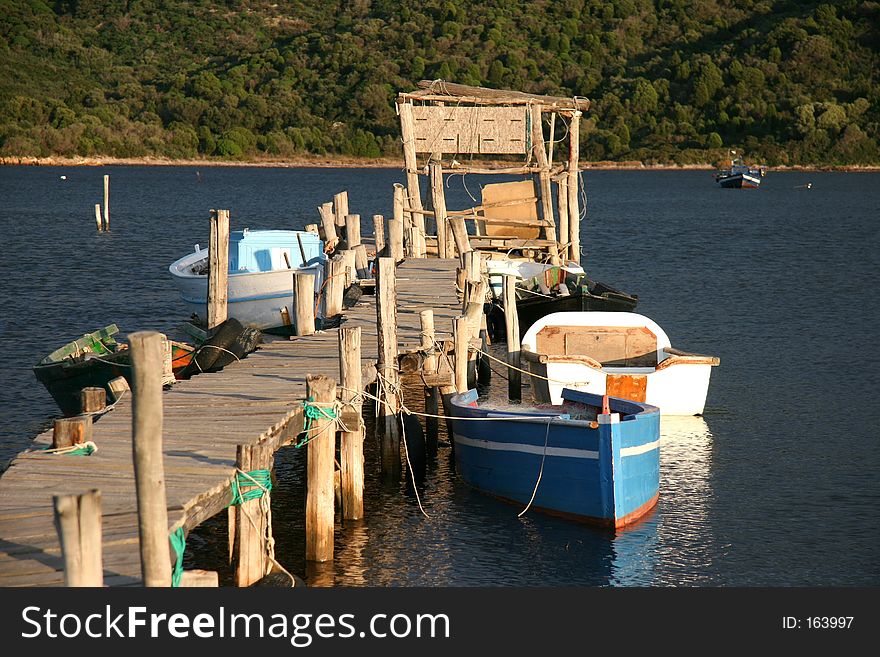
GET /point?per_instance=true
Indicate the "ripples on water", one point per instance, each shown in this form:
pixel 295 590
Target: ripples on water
pixel 776 485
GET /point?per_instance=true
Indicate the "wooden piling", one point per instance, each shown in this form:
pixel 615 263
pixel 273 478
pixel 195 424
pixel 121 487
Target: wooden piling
pixel 407 128
pixel 351 448
pixel 511 322
pixel 98 220
pixel 574 213
pixel 328 225
pixel 387 367
pixel 78 523
pixel 349 266
pixel 149 469
pixel 340 209
pixel 304 300
pixel 92 400
pixel 334 285
pixel 218 259
pixel 395 226
pixel 540 153
pixel 379 234
pixel 562 209
pixel 106 202
pixel 70 431
pixel 461 335
pixel 251 559
pixel 352 230
pixel 432 395
pixel 321 390
pixel 460 234
pixel 313 228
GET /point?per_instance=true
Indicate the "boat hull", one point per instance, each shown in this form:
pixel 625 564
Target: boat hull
pixel 529 311
pixel 65 380
pixel 740 181
pixel 263 300
pixel 605 472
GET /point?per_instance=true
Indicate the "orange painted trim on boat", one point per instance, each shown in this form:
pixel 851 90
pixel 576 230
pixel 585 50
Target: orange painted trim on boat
pixel 636 515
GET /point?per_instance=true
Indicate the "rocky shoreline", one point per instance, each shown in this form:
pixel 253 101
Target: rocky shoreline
pixel 359 163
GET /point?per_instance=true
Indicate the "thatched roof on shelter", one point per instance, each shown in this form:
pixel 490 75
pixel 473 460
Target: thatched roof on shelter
pixel 450 92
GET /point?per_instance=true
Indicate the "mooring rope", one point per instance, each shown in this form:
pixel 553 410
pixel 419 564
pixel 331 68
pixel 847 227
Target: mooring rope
pixel 178 542
pixel 540 472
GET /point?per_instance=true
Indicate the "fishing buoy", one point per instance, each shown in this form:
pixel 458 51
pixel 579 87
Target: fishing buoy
pixel 63 177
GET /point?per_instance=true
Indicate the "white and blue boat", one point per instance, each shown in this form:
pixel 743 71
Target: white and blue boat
pixel 260 282
pixel 594 458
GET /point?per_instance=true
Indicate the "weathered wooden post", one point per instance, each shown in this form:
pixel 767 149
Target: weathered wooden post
pixel 387 367
pixel 313 228
pixel 351 447
pixel 321 392
pixel 218 259
pixel 540 153
pixel 78 523
pixel 149 470
pixel 340 207
pixel 348 265
pixel 304 298
pixel 459 232
pixel 92 400
pixel 407 129
pixel 328 224
pixel 98 219
pixel 432 395
pixel 574 213
pixel 511 322
pixel 438 200
pixel 379 234
pixel 106 202
pixel 70 431
pixel 334 287
pixel 353 233
pixel 562 209
pixel 395 226
pixel 461 335
pixel 251 561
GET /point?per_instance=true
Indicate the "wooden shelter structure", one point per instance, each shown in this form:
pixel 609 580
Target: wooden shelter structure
pixel 450 122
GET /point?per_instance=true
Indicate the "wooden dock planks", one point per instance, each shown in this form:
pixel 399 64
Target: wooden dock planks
pixel 205 418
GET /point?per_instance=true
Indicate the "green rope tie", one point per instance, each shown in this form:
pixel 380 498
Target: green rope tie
pixel 313 412
pixel 178 542
pixel 250 486
pixel 86 450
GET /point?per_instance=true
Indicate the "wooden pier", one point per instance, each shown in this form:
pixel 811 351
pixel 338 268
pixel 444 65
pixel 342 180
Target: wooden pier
pixel 257 400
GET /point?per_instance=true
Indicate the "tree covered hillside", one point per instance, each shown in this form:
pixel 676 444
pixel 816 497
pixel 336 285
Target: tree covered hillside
pixel 671 80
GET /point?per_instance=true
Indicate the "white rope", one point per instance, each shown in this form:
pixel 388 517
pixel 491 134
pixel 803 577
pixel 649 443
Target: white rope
pixel 537 376
pixel 540 472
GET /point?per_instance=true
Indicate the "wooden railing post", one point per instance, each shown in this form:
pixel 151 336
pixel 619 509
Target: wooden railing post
pixel 304 298
pixel 320 390
pixel 351 448
pixel 149 469
pixel 387 366
pixel 78 522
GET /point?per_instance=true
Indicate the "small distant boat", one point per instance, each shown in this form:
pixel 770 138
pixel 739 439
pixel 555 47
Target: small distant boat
pixel 740 175
pixel 580 460
pixel 93 361
pixel 260 282
pixel 620 354
pixel 543 289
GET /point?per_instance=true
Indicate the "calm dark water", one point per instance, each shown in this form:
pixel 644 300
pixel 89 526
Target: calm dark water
pixel 777 485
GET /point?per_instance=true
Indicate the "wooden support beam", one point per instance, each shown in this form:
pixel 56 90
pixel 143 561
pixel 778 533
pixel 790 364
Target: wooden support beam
pixel 574 213
pixel 321 390
pixel 386 315
pixel 78 523
pixel 395 226
pixel 218 259
pixel 538 148
pixel 149 469
pixel 438 201
pixel 511 321
pixel 251 560
pixel 351 449
pixel 407 131
pixel 304 299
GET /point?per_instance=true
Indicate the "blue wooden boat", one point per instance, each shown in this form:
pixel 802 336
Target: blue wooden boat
pixel 578 460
